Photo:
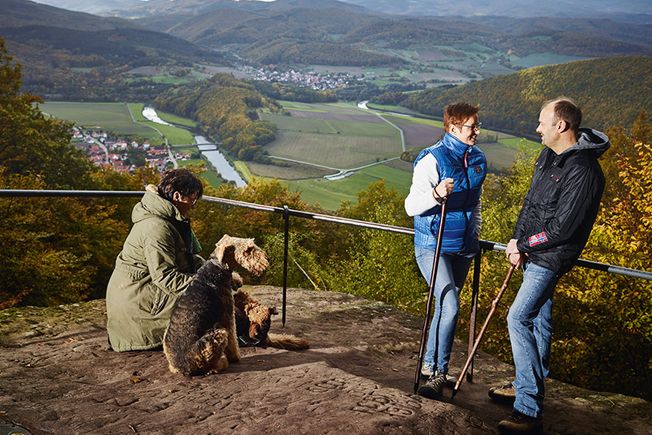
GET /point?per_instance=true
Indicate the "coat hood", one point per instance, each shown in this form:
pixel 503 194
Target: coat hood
pixel 593 140
pixel 152 205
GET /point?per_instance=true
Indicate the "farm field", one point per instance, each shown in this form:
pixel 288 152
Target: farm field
pixel 418 133
pixel 334 151
pixel 289 171
pixel 113 117
pixel 335 135
pixel 117 119
pixel 330 194
pixel 535 59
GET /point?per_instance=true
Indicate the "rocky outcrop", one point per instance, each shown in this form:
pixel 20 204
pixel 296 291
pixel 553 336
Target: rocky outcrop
pixel 58 376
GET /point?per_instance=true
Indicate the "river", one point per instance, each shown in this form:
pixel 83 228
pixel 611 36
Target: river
pixel 219 162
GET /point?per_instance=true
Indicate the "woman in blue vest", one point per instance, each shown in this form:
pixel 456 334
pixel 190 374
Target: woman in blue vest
pixel 453 168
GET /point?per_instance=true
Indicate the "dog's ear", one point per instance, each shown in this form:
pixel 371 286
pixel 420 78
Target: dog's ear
pixel 273 311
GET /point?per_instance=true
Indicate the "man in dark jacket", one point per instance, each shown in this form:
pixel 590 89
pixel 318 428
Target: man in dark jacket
pixel 552 228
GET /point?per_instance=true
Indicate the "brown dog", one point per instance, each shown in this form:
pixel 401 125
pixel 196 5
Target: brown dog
pixel 253 321
pixel 201 337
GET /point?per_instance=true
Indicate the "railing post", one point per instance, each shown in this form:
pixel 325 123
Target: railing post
pixel 474 309
pixel 286 221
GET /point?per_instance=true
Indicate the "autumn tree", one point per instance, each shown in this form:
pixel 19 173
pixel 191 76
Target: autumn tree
pixel 53 250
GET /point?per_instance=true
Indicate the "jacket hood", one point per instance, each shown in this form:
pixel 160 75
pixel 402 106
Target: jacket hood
pixel 593 140
pixel 152 205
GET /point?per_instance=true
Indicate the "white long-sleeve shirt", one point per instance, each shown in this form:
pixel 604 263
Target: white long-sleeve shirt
pixel 425 178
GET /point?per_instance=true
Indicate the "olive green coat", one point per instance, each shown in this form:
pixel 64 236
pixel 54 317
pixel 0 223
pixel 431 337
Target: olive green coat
pixel 153 269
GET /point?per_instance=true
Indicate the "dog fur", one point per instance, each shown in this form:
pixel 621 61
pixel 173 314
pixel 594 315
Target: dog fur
pixel 253 321
pixel 201 337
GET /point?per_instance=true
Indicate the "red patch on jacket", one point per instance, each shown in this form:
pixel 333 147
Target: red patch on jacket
pixel 537 239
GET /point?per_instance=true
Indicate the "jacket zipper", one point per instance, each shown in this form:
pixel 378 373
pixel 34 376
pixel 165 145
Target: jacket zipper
pixel 468 189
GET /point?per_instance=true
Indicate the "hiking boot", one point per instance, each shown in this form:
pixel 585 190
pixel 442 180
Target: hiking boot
pixel 519 423
pixel 434 386
pixel 503 394
pixel 426 370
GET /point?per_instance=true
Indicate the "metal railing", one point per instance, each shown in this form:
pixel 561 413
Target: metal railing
pixel 288 212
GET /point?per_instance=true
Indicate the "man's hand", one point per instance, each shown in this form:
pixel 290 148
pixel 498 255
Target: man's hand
pixel 512 248
pixel 512 253
pixel 516 259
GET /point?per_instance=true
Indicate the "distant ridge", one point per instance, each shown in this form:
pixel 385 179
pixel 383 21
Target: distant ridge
pixel 611 92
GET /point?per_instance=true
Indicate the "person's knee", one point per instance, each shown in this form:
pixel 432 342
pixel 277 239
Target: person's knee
pixel 450 311
pixel 515 319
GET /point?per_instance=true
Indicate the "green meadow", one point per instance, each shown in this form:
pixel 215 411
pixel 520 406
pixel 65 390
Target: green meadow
pixel 112 117
pixel 337 135
pixel 174 135
pixel 330 194
pixel 121 119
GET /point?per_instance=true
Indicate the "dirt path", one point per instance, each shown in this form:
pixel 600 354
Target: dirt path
pixel 57 376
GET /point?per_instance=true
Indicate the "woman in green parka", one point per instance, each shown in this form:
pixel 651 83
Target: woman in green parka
pixel 156 264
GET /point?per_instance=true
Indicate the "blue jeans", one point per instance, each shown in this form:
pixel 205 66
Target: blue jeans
pixel 530 331
pixel 451 273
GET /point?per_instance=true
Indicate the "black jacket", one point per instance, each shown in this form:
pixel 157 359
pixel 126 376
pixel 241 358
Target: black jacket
pixel 561 206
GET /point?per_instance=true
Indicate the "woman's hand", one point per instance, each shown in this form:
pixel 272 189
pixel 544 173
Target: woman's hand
pixel 444 188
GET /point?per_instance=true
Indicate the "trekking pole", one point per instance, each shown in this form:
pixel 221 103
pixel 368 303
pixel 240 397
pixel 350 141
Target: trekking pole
pixel 433 275
pixel 494 304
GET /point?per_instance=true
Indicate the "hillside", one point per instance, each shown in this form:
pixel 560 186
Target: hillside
pixel 512 8
pixel 241 26
pixel 17 13
pixel 83 56
pixel 225 107
pixel 57 376
pixel 612 92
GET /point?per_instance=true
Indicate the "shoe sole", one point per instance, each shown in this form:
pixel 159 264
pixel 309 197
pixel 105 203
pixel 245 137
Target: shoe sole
pixel 429 393
pixel 505 400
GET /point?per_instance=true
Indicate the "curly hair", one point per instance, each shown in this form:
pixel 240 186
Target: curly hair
pixel 179 180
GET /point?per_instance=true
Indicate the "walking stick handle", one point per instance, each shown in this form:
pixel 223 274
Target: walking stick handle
pixel 476 344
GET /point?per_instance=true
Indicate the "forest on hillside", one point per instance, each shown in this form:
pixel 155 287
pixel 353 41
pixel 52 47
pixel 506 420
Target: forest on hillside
pixel 225 108
pixel 63 251
pixel 612 92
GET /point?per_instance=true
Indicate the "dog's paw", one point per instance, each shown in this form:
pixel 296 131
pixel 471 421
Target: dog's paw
pixel 222 364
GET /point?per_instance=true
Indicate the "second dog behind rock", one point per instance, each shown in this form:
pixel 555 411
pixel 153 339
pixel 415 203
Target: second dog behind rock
pixel 253 321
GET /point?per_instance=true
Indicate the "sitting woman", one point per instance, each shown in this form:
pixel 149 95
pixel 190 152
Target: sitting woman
pixel 156 264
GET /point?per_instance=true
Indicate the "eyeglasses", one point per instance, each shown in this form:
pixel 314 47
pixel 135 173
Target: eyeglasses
pixel 475 127
pixel 188 199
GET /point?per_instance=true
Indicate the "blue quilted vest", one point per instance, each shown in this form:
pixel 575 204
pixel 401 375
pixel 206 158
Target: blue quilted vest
pixel 467 165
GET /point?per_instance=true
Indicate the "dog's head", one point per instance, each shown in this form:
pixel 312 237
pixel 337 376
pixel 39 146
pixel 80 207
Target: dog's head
pixel 252 319
pixel 235 251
